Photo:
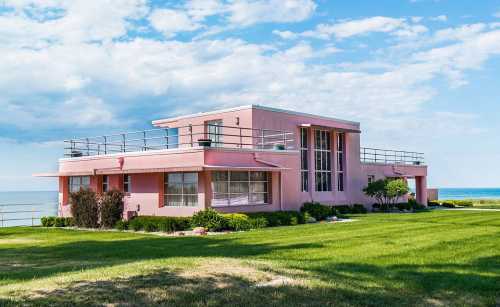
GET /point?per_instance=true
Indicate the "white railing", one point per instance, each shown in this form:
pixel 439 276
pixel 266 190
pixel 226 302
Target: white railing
pixel 24 214
pixel 385 156
pixel 181 137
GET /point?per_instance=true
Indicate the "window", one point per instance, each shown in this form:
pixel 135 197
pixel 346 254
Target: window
pixel 240 188
pixel 105 183
pixel 77 183
pixel 340 161
pixel 322 152
pixel 127 183
pixel 304 156
pixel 172 137
pixel 371 178
pixel 181 189
pixel 214 132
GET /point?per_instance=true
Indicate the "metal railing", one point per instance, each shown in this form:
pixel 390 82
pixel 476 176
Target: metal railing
pixel 181 137
pixel 24 214
pixel 384 156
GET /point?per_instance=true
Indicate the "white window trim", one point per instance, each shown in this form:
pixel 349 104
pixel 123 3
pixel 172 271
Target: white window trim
pixel 249 181
pixel 165 194
pixel 328 153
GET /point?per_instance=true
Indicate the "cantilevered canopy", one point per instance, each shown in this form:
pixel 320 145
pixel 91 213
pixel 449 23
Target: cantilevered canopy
pixel 331 128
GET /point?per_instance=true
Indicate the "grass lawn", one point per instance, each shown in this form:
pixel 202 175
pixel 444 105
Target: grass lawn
pixel 431 258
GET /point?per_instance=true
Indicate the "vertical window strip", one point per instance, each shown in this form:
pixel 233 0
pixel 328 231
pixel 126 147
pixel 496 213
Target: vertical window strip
pixel 126 183
pixel 323 164
pixel 304 156
pixel 105 183
pixel 340 161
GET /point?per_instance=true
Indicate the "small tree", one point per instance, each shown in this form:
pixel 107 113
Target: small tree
pixel 111 208
pixel 85 209
pixel 386 191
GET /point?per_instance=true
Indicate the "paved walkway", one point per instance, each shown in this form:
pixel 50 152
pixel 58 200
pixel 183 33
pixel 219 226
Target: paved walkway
pixel 472 209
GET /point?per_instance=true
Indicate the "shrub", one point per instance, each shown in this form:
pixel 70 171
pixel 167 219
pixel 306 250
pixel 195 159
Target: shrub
pixel 48 221
pixel 85 209
pixel 59 222
pixel 317 210
pixel 257 222
pixel 403 206
pixel 111 208
pixel 463 203
pixel 343 209
pixel 157 223
pixel 237 221
pixel 69 222
pixel 448 204
pixel 209 219
pixel 280 218
pixel 121 225
pixel 433 203
pixel 358 208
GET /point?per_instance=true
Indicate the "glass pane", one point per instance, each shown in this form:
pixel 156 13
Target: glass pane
pixel 174 177
pixel 191 200
pixel 238 187
pixel 220 187
pixel 318 181
pixel 190 188
pixel 305 182
pixel 174 188
pixel 317 155
pixel 328 181
pixel 238 176
pixel 238 199
pixel 317 144
pixel 86 180
pixel 258 176
pixel 173 200
pixel 258 198
pixel 191 177
pixel 340 162
pixel 220 176
pixel 220 199
pixel 258 187
pixel 340 179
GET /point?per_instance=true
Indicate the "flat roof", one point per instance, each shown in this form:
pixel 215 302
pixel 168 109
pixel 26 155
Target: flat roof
pixel 253 106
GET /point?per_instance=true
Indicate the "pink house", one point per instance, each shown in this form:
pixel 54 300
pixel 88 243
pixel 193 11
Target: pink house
pixel 245 159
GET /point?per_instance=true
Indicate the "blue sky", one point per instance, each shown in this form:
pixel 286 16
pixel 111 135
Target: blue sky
pixel 419 75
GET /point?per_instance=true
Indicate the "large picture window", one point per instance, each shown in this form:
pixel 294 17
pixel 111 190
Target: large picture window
pixel 181 189
pixel 323 167
pixel 340 161
pixel 236 188
pixel 304 155
pixel 77 183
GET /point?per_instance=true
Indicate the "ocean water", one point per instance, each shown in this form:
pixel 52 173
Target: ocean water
pixel 463 193
pixel 26 208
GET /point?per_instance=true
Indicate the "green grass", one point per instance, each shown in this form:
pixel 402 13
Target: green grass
pixel 431 258
pixel 486 203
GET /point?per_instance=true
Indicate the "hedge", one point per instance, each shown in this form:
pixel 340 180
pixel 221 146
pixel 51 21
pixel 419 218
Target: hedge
pixel 55 221
pixel 279 218
pixel 156 223
pixel 111 208
pixel 85 209
pixel 451 203
pixel 317 210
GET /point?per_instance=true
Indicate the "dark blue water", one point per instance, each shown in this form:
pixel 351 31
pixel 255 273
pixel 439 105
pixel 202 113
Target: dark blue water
pixel 463 193
pixel 26 208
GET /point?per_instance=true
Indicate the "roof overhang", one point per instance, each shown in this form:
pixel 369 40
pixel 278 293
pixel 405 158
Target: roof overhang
pixel 347 130
pixel 245 168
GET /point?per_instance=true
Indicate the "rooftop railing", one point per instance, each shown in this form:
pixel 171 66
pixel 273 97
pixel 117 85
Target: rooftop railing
pixel 384 156
pixel 204 135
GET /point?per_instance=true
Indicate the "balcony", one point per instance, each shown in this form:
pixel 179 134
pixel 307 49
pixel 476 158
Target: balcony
pixel 384 156
pixel 191 136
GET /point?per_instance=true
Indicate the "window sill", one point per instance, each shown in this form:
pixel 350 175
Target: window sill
pixel 230 206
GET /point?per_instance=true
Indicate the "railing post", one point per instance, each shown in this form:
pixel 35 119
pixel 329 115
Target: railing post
pixel 262 139
pixel 88 147
pixel 1 215
pixel 241 139
pixel 124 143
pixel 284 140
pixel 166 138
pixel 72 147
pixel 144 140
pixel 105 145
pixel 32 216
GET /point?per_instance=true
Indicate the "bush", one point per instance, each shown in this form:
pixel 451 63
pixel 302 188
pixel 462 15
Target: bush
pixel 403 206
pixel 156 223
pixel 317 210
pixel 111 208
pixel 433 203
pixel 237 221
pixel 121 225
pixel 84 209
pixel 209 219
pixel 257 222
pixel 280 218
pixel 48 221
pixel 358 208
pixel 60 222
pixel 343 209
pixel 448 204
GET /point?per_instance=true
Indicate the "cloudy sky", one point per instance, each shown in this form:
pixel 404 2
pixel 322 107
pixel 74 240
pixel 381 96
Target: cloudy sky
pixel 419 75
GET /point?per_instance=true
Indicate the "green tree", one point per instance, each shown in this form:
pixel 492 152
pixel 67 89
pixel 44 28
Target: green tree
pixel 387 191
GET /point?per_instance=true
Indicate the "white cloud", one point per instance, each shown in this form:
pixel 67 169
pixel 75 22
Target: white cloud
pixel 248 12
pixel 169 22
pixel 441 18
pixel 285 34
pixel 497 14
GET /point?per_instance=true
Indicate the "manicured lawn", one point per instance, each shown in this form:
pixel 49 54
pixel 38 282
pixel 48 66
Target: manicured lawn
pixel 437 258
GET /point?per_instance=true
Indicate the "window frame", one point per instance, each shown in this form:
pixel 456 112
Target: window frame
pixel 79 184
pixel 323 160
pixel 105 183
pixel 217 135
pixel 304 159
pixel 127 183
pixel 371 178
pixel 249 193
pixel 184 196
pixel 340 161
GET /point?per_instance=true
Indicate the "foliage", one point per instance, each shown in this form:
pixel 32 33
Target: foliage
pixel 433 203
pixel 317 210
pixel 280 218
pixel 157 223
pixel 56 221
pixel 121 225
pixel 358 208
pixel 111 208
pixel 387 191
pixel 85 209
pixel 257 222
pixel 237 221
pixel 452 203
pixel 209 219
